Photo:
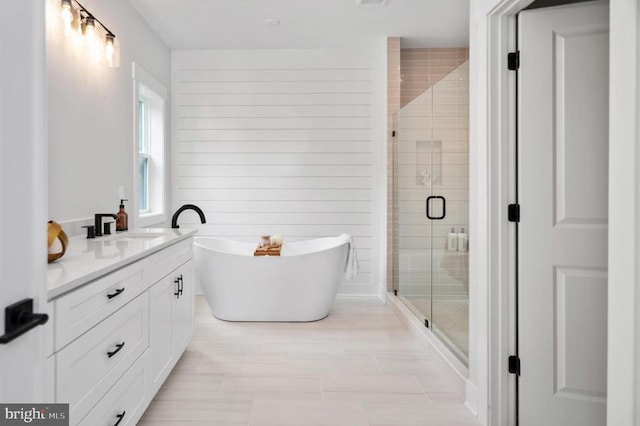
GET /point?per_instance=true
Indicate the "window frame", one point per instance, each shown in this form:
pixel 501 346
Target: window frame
pixel 143 151
pixel 153 95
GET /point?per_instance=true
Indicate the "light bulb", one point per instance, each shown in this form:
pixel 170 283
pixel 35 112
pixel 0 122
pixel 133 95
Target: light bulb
pixel 67 13
pixel 90 30
pixel 109 50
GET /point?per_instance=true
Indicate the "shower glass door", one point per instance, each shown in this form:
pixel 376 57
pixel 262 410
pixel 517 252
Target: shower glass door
pixel 450 274
pixel 414 178
pixel 431 187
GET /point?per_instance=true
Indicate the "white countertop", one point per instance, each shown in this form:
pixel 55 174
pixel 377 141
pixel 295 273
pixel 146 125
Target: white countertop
pixel 88 259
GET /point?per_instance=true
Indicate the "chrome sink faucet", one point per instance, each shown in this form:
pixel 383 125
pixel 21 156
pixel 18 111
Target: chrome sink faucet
pixel 174 219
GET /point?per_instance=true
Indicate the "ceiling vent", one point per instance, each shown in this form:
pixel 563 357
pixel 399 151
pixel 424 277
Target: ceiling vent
pixel 372 2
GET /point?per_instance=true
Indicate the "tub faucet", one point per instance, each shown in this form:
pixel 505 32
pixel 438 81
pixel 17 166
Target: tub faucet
pixel 174 219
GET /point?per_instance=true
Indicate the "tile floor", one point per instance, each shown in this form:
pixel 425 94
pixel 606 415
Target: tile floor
pixel 450 317
pixel 359 366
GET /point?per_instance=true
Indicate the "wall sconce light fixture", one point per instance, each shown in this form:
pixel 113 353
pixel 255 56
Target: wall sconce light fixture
pixel 78 21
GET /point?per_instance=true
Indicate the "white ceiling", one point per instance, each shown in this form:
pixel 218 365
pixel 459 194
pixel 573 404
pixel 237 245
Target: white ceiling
pixel 239 24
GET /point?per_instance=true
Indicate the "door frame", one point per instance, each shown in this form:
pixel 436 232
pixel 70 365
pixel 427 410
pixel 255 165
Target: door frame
pixel 501 155
pixel 495 120
pixel 623 373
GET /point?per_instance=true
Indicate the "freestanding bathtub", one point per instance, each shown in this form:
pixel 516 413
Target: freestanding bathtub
pixel 299 285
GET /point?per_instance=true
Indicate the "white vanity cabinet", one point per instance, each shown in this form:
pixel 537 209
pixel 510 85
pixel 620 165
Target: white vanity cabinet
pixel 171 322
pixel 90 366
pixel 118 336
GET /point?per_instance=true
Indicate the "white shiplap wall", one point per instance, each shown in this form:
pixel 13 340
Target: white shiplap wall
pixel 276 142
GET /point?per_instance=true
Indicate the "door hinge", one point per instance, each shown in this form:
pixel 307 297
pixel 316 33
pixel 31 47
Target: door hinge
pixel 513 60
pixel 514 213
pixel 514 364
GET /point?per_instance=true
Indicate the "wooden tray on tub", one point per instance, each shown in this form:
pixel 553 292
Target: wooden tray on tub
pixel 267 251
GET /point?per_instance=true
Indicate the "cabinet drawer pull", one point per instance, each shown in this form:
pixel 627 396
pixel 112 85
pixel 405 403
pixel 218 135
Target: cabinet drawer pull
pixel 180 283
pixel 117 292
pixel 178 291
pixel 118 347
pixel 120 417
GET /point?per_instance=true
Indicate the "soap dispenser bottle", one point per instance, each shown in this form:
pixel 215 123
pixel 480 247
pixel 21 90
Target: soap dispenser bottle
pixel 452 240
pixel 122 222
pixel 463 241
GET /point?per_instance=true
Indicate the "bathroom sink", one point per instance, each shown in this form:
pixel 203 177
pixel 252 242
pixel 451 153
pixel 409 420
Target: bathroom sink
pixel 144 235
pixel 135 236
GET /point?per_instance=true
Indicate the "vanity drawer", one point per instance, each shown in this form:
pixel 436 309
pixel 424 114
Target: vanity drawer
pixel 85 307
pixel 126 401
pixel 87 368
pixel 165 261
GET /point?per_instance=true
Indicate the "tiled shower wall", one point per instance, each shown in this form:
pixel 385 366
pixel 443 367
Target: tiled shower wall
pixel 431 158
pixel 411 72
pixel 422 68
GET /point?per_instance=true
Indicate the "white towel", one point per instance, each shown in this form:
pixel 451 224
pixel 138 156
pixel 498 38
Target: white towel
pixel 352 266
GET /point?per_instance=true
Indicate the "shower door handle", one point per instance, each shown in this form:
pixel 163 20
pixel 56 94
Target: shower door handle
pixel 428 207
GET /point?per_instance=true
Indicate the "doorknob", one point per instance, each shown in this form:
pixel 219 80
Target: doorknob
pixel 19 318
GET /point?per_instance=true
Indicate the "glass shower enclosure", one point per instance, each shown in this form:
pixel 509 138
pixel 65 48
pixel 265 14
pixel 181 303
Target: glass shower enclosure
pixel 431 208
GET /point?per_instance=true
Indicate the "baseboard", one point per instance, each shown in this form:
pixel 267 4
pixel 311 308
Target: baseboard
pixel 360 296
pixel 198 291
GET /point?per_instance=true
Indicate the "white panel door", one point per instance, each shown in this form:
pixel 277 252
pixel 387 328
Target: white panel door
pixel 563 180
pixel 23 206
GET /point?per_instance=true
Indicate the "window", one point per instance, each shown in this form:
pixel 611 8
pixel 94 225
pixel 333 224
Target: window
pixel 144 155
pixel 149 188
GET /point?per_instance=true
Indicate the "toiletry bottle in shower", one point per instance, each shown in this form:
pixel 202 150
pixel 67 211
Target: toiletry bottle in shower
pixel 463 241
pixel 122 221
pixel 452 240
